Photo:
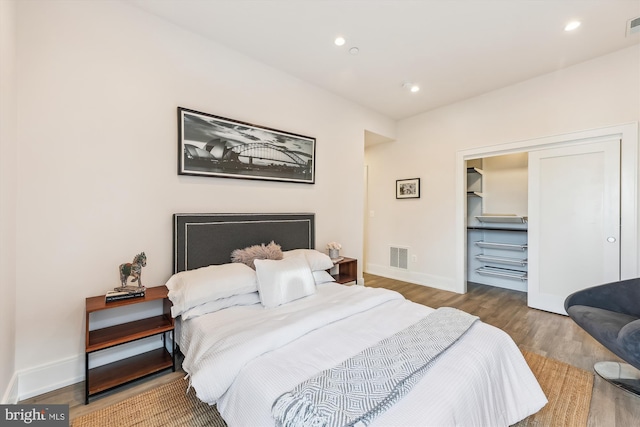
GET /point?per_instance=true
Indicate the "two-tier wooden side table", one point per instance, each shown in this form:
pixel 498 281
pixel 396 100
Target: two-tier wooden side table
pixel 106 377
pixel 347 270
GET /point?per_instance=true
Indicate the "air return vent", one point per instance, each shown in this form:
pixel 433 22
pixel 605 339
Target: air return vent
pixel 633 26
pixel 399 257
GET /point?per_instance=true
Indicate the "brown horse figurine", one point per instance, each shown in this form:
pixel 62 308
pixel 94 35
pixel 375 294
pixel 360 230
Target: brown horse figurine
pixel 133 269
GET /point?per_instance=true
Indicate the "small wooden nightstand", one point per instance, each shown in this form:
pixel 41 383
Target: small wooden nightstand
pixel 347 270
pixel 117 373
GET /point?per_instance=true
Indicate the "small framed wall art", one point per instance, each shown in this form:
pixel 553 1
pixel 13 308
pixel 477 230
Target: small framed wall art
pixel 408 188
pixel 215 146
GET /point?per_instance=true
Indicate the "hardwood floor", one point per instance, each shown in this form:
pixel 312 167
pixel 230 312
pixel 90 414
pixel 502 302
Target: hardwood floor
pixel 548 334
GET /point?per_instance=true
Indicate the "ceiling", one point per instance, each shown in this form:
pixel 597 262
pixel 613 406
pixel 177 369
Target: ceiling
pixel 453 49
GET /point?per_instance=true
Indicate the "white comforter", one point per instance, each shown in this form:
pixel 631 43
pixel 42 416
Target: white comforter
pixel 243 358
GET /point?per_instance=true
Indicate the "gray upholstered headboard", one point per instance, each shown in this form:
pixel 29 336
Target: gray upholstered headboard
pixel 207 239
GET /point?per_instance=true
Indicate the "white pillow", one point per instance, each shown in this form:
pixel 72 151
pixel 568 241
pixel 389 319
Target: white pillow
pixel 322 276
pixel 220 304
pixel 317 260
pixel 282 281
pixel 191 288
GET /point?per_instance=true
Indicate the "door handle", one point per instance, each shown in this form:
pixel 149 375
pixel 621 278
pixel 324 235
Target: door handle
pixel 611 239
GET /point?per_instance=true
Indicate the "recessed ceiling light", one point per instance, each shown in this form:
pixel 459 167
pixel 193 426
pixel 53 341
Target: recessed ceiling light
pixel 354 51
pixel 572 25
pixel 339 41
pixel 411 87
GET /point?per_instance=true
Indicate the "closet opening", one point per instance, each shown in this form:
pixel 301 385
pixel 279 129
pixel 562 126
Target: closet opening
pixel 497 220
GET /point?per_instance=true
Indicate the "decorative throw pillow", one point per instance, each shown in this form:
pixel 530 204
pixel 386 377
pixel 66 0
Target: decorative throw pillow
pixel 248 255
pixel 280 282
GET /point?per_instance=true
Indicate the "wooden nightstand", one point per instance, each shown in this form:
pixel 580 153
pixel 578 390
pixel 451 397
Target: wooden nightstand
pixel 347 270
pixel 117 373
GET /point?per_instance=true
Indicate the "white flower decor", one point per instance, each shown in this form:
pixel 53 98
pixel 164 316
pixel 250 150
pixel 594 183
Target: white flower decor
pixel 334 246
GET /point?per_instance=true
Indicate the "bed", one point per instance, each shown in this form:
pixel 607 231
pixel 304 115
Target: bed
pixel 258 343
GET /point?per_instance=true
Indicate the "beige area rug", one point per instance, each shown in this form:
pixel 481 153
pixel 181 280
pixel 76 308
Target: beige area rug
pixel 167 405
pixel 568 390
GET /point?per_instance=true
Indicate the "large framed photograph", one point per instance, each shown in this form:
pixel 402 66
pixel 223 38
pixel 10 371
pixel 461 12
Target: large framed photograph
pixel 214 146
pixel 408 188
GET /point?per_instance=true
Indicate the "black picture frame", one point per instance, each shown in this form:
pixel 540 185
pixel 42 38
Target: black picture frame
pixel 408 188
pixel 215 146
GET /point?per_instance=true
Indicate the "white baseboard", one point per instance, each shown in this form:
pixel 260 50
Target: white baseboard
pixel 10 395
pixel 52 376
pixel 438 282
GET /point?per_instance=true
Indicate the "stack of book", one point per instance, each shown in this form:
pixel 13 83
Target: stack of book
pixel 124 293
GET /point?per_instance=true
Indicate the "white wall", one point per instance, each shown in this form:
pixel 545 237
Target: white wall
pixel 505 184
pixel 98 85
pixel 598 93
pixel 7 200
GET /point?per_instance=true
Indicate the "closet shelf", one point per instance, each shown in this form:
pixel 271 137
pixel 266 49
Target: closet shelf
pixel 507 219
pixel 506 246
pixel 502 272
pixel 474 193
pixel 502 260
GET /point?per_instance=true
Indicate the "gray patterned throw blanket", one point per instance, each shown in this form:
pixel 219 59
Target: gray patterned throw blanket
pixel 357 390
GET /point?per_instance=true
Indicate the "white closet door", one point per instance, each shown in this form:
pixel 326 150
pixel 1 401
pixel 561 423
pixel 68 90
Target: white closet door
pixel 574 221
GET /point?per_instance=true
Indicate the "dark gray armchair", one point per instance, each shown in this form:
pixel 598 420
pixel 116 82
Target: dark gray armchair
pixel 611 314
